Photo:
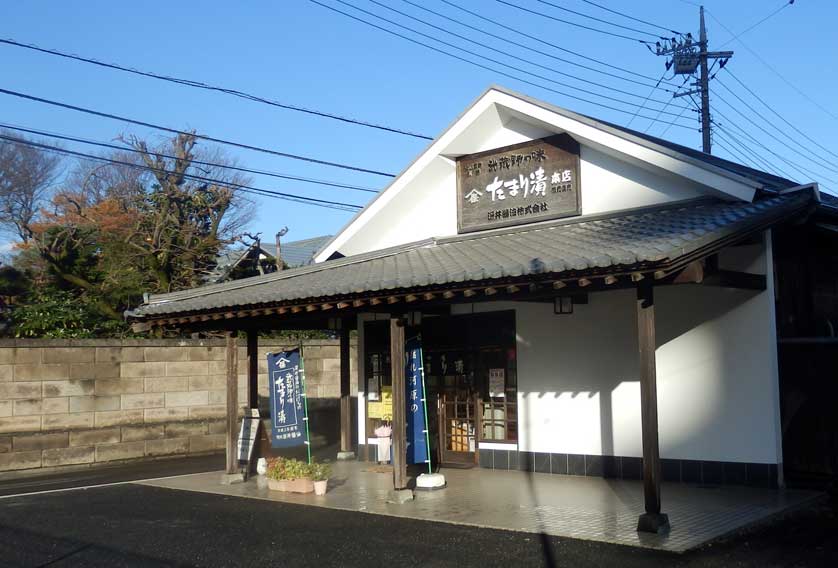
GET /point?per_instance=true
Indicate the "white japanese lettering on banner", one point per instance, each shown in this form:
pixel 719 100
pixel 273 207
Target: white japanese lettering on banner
pixel 534 185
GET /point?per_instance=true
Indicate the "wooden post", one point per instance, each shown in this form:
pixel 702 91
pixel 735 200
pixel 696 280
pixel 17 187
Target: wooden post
pixel 252 368
pixel 652 520
pixel 399 409
pixel 232 401
pixel 345 396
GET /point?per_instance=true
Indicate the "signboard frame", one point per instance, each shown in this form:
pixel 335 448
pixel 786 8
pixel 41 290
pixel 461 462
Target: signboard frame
pixel 564 143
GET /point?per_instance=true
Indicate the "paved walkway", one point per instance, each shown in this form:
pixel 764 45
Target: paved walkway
pixel 565 506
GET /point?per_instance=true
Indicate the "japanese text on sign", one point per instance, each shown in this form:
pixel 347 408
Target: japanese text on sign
pixel 286 397
pixel 527 182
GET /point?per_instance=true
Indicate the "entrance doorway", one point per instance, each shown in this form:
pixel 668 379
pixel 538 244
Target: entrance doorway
pixel 470 377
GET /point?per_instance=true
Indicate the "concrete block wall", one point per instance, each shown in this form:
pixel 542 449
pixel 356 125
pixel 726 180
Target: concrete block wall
pixel 85 402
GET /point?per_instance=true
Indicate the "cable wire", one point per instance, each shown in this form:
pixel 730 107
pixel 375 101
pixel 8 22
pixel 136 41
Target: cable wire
pixel 558 47
pixel 540 52
pixel 600 20
pixel 631 17
pixel 199 162
pixel 577 24
pixel 769 134
pixel 795 166
pixel 245 188
pixel 485 67
pixel 201 85
pixel 771 15
pixel 506 53
pixel 647 98
pixel 199 136
pixel 774 70
pixel 778 115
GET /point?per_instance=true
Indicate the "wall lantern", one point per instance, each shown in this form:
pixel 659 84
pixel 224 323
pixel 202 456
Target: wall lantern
pixel 563 305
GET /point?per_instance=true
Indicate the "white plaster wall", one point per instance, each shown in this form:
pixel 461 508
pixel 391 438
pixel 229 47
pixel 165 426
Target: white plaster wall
pixel 426 206
pixel 717 377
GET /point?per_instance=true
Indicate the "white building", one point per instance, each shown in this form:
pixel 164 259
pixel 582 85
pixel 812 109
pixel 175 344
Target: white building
pixel 529 246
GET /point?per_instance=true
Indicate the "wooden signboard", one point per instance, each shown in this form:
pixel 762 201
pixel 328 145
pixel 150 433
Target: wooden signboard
pixel 523 183
pixel 247 438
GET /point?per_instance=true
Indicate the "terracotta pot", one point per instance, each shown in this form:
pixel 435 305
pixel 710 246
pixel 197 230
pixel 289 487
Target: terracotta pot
pixel 320 487
pixel 291 485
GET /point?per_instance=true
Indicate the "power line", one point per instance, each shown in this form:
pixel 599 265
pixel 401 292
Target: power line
pixel 600 20
pixel 771 15
pixel 199 162
pixel 489 47
pixel 769 134
pixel 631 17
pixel 647 98
pixel 673 123
pixel 558 47
pixel 463 59
pixel 778 115
pixel 201 85
pixel 801 169
pixel 577 24
pixel 648 126
pixel 245 188
pixel 199 136
pixel 540 52
pixel 736 155
pixel 761 162
pixel 773 70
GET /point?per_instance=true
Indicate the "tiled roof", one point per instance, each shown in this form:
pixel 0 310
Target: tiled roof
pixel 298 253
pixel 622 240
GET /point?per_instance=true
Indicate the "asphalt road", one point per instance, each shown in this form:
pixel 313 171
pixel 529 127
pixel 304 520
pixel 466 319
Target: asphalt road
pixel 108 475
pixel 135 525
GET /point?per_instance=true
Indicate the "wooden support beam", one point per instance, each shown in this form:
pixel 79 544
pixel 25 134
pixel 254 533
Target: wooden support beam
pixel 468 293
pixel 296 309
pixel 229 315
pixel 652 520
pixel 345 393
pixel 399 408
pixel 232 353
pixel 392 300
pixel 411 298
pixel 610 279
pixel 252 368
pixel 311 308
pixel 448 294
pixel 325 307
pixel 428 296
pixel 281 311
pixel 357 303
pixel 490 291
pixel 636 276
pixel 512 289
pixel 584 282
pixel 375 301
pixel 342 305
pixel 558 285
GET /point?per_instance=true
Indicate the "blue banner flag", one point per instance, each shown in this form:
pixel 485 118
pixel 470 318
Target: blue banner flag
pixel 417 425
pixel 288 409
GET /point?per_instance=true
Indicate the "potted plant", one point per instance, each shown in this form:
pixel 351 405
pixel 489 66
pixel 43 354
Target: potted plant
pixel 288 474
pixel 320 473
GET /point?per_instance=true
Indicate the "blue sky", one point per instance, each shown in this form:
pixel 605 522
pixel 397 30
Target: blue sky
pixel 299 53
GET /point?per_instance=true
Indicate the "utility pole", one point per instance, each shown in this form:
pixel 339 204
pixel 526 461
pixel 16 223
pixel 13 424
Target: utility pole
pixel 689 57
pixel 704 81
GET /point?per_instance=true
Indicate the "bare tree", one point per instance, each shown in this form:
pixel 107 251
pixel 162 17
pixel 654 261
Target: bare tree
pixel 27 176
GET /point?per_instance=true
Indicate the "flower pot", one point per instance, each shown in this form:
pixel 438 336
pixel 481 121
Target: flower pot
pixel 302 485
pixel 320 487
